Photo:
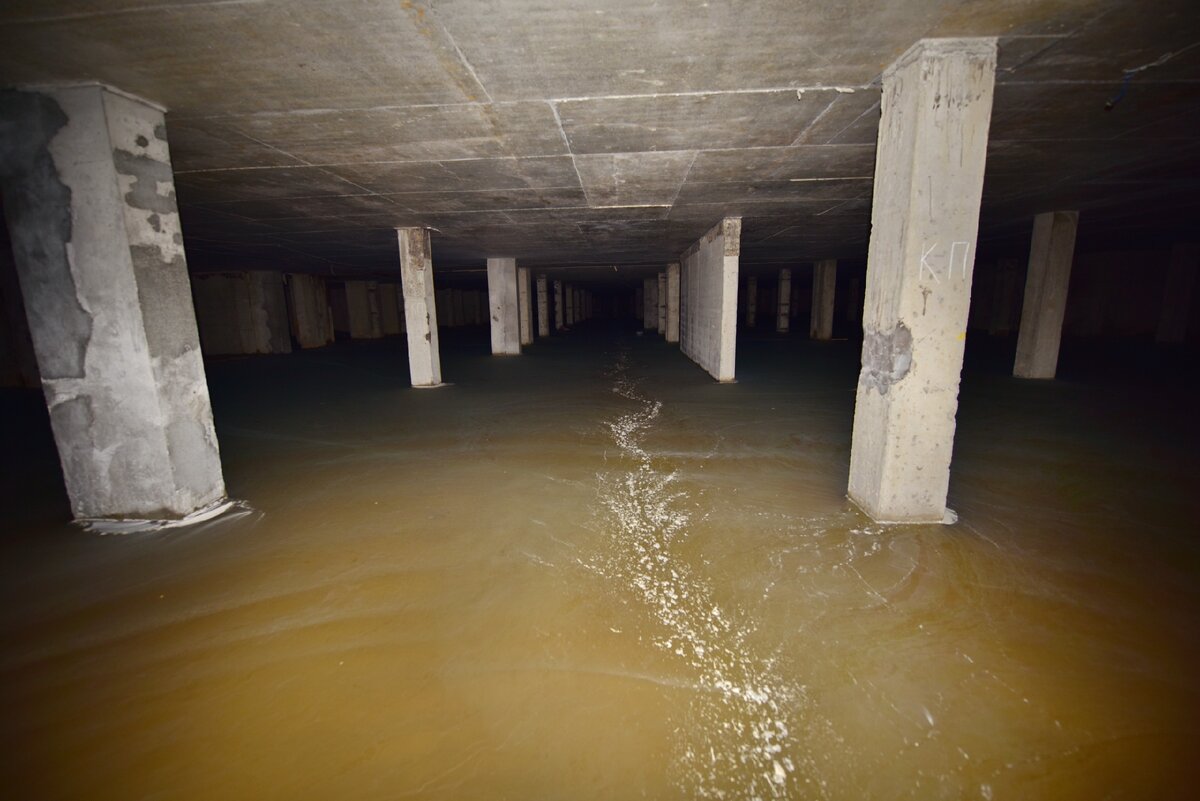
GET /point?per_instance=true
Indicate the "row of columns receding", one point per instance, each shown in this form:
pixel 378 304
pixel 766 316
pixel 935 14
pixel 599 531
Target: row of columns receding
pixel 99 252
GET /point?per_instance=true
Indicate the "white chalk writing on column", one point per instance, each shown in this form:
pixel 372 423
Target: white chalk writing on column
pixel 959 255
pixel 925 265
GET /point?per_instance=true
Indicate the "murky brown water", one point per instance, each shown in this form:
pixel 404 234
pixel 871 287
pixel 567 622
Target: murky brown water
pixel 591 573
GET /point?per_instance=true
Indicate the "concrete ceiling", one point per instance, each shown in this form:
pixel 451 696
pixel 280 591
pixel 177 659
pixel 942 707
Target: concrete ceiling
pixel 582 135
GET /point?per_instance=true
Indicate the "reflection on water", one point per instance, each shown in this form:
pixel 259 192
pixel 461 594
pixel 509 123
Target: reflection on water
pixel 592 573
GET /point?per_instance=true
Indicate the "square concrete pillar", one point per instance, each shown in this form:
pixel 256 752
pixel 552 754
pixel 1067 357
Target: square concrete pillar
pixel 709 288
pixel 1177 294
pixel 1005 297
pixel 783 311
pixel 458 308
pixel 1046 282
pixel 241 313
pixel 309 308
pixel 543 307
pixel 420 307
pixel 389 310
pixel 362 306
pixel 673 302
pixel 936 109
pixel 662 304
pixel 820 325
pixel 502 302
pixel 854 301
pixel 650 304
pixel 558 306
pixel 524 306
pixel 751 301
pixel 90 198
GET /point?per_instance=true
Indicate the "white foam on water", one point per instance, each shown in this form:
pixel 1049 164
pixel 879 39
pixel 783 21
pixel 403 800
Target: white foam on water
pixel 738 736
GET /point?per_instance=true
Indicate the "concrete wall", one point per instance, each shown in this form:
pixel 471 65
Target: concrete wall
pixel 709 281
pixel 242 313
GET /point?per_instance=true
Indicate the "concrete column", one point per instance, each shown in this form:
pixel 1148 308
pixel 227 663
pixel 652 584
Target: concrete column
pixel 502 300
pixel 1046 282
pixel 650 304
pixel 543 307
pixel 1177 294
pixel 820 325
pixel 673 302
pixel 559 310
pixel 751 301
pixel 90 199
pixel 524 306
pixel 709 274
pixel 270 307
pixel 662 303
pixel 783 312
pixel 241 313
pixel 471 307
pixel 389 310
pixel 1004 297
pixel 420 308
pixel 936 108
pixel 457 308
pixel 362 312
pixel 854 301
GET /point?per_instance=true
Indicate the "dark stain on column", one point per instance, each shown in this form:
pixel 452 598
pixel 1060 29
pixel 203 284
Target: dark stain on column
pixel 38 207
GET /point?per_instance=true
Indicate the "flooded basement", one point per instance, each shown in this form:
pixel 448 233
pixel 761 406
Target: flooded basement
pixel 590 572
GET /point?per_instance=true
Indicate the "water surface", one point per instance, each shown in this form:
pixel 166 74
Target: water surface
pixel 591 573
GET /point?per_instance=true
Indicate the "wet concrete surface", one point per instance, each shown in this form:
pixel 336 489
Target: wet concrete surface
pixel 593 573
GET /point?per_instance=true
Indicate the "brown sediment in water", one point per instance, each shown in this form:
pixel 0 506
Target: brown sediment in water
pixel 593 573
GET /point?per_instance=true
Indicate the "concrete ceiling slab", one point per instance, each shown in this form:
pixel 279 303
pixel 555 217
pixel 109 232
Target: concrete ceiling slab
pixel 612 132
pixel 464 175
pixel 414 133
pixel 634 179
pixel 690 122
